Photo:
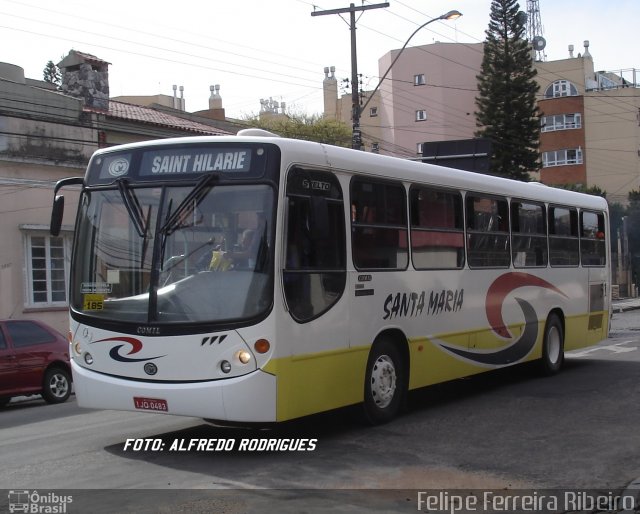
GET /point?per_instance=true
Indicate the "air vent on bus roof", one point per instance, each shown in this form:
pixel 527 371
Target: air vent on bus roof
pixel 253 132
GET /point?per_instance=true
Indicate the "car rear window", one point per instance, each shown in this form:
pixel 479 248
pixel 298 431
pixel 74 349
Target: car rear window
pixel 27 333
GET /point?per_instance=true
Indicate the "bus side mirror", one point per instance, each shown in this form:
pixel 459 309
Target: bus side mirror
pixel 56 215
pixel 58 203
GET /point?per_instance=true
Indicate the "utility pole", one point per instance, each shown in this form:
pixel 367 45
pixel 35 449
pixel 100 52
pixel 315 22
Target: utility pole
pixel 356 137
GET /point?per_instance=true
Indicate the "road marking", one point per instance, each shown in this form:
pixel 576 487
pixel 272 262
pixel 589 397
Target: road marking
pixel 613 348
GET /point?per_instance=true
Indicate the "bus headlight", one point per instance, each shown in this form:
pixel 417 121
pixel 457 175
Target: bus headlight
pixel 225 366
pixel 88 358
pixel 243 356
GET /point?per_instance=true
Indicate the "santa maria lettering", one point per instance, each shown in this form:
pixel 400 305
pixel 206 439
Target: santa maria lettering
pixel 415 304
pixel 201 162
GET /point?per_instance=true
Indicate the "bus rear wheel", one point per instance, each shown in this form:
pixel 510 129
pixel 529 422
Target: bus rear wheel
pixel 552 346
pixel 385 380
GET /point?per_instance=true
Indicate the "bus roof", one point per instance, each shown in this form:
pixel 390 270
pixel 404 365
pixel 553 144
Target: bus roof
pixel 345 159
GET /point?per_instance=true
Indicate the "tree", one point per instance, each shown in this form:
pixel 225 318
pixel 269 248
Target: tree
pixel 51 74
pixel 302 126
pixel 507 110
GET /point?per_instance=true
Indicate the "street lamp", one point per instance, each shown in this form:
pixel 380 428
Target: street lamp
pixel 451 15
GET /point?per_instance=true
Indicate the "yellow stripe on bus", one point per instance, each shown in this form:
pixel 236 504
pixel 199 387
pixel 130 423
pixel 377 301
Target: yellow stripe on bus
pixel 318 382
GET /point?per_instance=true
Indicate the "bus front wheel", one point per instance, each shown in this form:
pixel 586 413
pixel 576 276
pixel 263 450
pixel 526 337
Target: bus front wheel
pixel 384 387
pixel 552 346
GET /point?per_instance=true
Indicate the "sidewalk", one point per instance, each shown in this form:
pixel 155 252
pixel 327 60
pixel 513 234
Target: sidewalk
pixel 625 304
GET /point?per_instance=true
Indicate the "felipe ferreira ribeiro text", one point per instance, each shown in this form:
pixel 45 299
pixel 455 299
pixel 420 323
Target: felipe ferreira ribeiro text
pixel 222 445
pixel 490 501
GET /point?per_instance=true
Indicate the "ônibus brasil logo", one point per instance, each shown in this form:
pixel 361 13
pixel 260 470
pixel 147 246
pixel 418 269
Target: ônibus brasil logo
pixel 21 500
pixel 496 295
pixel 136 346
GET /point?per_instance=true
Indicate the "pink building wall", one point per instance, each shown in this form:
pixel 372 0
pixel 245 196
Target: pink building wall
pixel 447 97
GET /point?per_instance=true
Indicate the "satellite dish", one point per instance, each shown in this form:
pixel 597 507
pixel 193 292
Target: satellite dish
pixel 539 43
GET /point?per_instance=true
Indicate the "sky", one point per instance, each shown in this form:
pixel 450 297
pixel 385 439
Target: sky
pixel 275 49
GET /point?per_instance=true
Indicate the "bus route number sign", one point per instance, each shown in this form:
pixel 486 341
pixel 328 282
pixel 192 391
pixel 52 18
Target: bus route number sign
pixel 93 302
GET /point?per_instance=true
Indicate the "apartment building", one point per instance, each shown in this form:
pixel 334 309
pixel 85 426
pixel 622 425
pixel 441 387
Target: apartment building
pixel 428 95
pixel 590 125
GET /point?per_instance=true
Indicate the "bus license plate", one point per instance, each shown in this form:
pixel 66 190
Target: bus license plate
pixel 150 404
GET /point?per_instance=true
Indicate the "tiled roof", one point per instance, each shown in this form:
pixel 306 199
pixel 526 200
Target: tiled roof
pixel 137 113
pixel 89 57
pixel 75 58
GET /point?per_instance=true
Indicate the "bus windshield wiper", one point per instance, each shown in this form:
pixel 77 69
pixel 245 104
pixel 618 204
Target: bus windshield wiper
pixel 134 209
pixel 139 221
pixel 194 197
pixel 164 235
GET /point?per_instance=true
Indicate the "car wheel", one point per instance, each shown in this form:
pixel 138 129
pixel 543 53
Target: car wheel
pixel 57 385
pixel 385 383
pixel 552 346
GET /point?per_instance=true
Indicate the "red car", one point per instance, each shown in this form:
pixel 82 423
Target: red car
pixel 34 359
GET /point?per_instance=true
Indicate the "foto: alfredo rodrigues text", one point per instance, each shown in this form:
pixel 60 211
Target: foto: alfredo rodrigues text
pixel 222 445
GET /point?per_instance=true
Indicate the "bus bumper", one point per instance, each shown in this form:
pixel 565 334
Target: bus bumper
pixel 249 398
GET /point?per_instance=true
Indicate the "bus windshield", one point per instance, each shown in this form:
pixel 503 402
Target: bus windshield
pixel 174 253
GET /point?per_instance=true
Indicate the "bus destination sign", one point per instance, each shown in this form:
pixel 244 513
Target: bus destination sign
pixel 199 160
pixel 182 162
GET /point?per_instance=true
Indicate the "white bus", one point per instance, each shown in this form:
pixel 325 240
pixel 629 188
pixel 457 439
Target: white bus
pixel 260 279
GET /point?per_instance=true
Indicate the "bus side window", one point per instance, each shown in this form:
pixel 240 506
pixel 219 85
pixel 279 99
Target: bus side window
pixel 564 245
pixel 437 237
pixel 487 220
pixel 379 232
pixel 593 250
pixel 528 234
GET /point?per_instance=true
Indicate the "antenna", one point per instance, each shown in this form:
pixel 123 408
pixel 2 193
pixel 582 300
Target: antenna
pixel 534 30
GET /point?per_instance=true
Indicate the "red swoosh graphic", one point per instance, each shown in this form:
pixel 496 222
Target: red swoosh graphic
pixel 500 288
pixel 135 343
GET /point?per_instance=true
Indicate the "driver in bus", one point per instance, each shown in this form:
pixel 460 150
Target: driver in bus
pixel 243 256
